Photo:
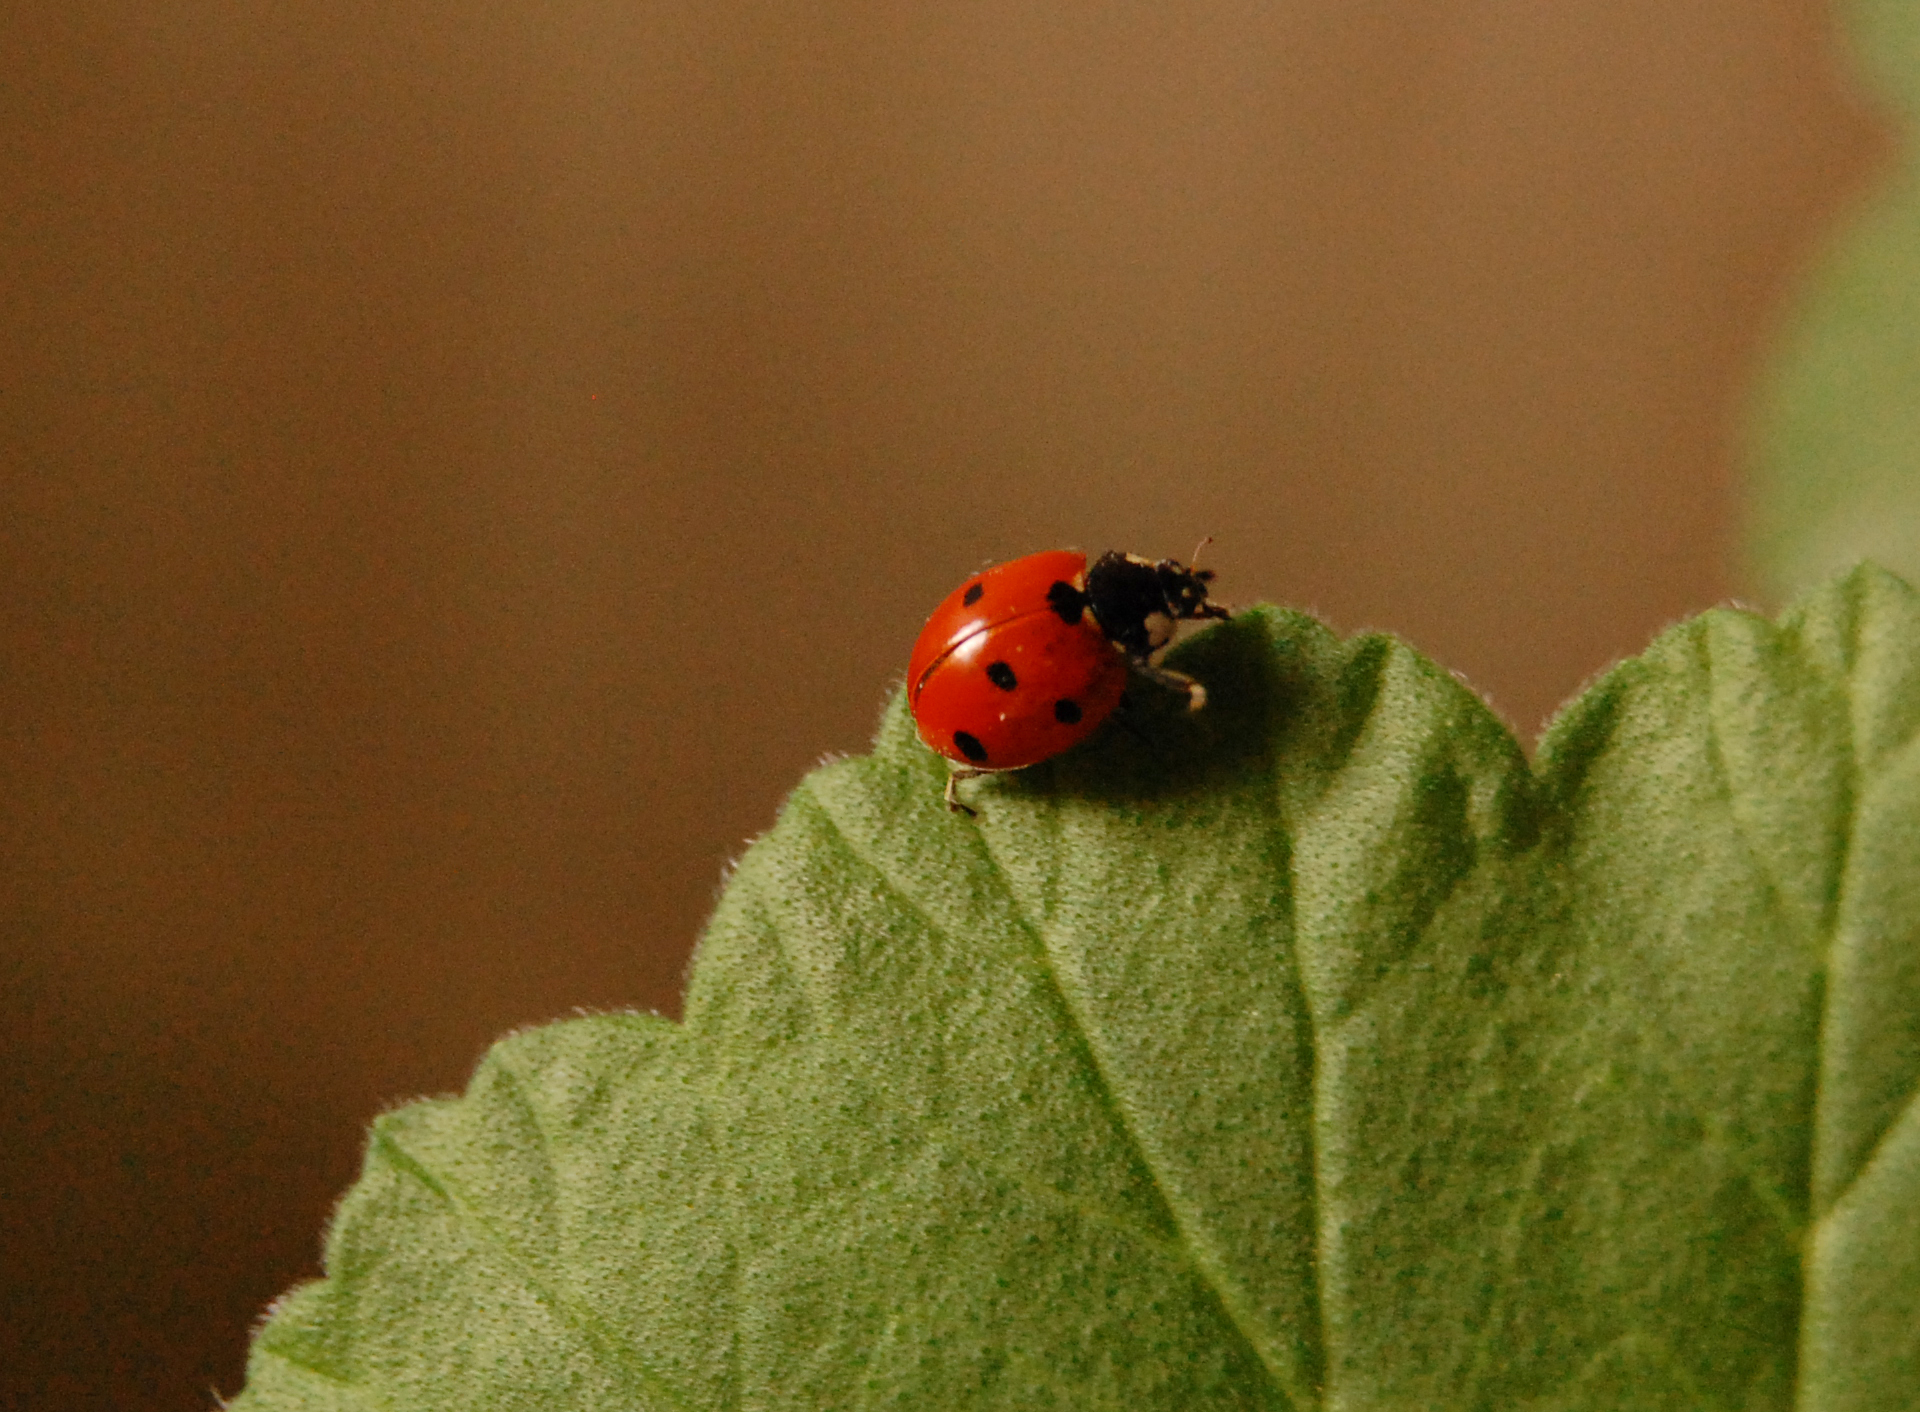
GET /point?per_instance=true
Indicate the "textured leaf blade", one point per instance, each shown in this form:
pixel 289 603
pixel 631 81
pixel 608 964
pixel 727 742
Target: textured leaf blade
pixel 1312 1052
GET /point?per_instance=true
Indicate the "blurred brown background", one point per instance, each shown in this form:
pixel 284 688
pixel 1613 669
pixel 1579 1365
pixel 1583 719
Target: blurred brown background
pixel 462 464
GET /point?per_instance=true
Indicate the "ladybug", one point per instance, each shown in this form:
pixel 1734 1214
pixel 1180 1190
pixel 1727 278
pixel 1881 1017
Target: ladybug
pixel 1027 658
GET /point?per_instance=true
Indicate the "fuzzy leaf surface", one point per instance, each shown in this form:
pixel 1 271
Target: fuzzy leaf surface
pixel 1311 1052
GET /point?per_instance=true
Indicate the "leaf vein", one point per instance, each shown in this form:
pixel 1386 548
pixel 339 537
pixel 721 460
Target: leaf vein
pixel 359 1391
pixel 1086 1210
pixel 1875 1155
pixel 580 1319
pixel 1786 1223
pixel 1078 1030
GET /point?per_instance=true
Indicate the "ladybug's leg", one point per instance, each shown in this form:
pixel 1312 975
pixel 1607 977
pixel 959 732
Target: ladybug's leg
pixel 1174 681
pixel 961 772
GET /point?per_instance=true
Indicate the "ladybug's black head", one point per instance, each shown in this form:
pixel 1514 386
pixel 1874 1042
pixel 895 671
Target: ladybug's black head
pixel 1186 590
pixel 1137 602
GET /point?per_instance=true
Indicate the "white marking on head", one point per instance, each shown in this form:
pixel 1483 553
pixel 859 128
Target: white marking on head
pixel 1159 628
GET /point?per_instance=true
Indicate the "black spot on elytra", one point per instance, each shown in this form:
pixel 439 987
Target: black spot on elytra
pixel 970 747
pixel 1001 675
pixel 972 595
pixel 1067 713
pixel 1066 600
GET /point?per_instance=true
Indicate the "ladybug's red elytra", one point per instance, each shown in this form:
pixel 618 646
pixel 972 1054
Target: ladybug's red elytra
pixel 1029 657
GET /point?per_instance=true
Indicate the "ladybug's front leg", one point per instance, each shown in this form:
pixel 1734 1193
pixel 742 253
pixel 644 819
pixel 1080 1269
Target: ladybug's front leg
pixel 958 773
pixel 1174 681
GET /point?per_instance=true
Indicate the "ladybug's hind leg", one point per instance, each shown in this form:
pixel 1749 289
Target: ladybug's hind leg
pixel 958 773
pixel 1196 694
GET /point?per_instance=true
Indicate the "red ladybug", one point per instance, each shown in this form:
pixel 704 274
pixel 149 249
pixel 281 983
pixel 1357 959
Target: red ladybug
pixel 1028 658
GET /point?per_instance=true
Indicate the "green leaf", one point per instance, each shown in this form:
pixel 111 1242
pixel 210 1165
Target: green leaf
pixel 1310 1052
pixel 1835 459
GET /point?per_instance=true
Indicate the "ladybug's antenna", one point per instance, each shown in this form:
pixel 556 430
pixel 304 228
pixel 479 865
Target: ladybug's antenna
pixel 1194 562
